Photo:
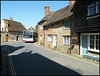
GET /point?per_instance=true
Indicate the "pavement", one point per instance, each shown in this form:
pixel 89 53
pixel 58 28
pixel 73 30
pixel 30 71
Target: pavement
pixel 45 58
pixel 71 55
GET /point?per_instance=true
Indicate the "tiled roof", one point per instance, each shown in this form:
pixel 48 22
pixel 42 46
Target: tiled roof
pixel 14 26
pixel 47 17
pixel 60 15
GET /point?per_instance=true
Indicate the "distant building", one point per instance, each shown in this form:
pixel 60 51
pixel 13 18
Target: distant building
pixel 31 28
pixel 13 29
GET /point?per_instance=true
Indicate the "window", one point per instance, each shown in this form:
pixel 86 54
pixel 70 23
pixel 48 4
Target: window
pixel 93 8
pixel 66 40
pixel 46 28
pixel 98 6
pixel 41 37
pixel 2 29
pixel 13 37
pixel 67 24
pixel 94 43
pixel 50 38
pixel 41 26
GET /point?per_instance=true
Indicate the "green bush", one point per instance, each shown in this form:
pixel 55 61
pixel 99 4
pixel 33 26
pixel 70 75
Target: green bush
pixel 68 48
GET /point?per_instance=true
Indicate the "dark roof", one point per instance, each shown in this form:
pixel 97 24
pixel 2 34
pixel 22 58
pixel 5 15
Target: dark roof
pixel 14 26
pixel 60 15
pixel 47 17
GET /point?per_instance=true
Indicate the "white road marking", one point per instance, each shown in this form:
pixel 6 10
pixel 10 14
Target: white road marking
pixel 11 63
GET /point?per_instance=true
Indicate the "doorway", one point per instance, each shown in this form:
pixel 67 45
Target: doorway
pixel 17 38
pixel 54 41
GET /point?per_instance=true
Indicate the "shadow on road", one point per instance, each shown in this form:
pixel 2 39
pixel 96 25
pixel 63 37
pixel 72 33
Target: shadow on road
pixel 28 63
pixel 11 48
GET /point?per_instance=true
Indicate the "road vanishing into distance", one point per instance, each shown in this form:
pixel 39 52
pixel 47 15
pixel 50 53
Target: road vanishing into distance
pixel 31 59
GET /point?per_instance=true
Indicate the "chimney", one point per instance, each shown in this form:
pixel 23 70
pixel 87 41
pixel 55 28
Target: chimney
pixel 11 19
pixel 46 10
pixel 71 2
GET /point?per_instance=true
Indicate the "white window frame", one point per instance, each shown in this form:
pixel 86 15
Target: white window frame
pixel 95 50
pixel 49 38
pixel 41 37
pixel 41 27
pixel 67 38
pixel 88 42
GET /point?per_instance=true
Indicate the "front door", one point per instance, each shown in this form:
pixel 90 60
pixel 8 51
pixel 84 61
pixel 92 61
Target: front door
pixel 17 38
pixel 84 44
pixel 54 40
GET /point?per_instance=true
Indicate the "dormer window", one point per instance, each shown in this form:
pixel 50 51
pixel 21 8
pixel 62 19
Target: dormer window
pixel 93 8
pixel 67 24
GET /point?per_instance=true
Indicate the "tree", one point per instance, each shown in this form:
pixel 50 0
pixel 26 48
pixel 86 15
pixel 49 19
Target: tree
pixel 36 28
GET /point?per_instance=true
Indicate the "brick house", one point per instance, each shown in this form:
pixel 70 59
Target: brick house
pixel 13 29
pixel 59 29
pixel 86 26
pixel 41 23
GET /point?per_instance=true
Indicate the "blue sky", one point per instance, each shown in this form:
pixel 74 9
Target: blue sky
pixel 29 13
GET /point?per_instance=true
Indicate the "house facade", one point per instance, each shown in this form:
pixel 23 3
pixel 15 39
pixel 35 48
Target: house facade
pixel 41 32
pixel 59 29
pixel 12 29
pixel 86 26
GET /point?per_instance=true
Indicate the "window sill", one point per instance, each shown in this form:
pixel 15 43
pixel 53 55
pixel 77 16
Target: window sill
pixel 67 29
pixel 93 16
pixel 93 50
pixel 66 45
pixel 50 41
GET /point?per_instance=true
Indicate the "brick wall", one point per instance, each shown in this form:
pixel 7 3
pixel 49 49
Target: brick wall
pixel 41 32
pixel 57 29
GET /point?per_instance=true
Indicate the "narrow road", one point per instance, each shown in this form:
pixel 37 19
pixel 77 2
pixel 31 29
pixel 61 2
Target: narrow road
pixel 29 59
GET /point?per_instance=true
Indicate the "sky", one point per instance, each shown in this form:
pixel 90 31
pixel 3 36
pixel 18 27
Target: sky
pixel 29 13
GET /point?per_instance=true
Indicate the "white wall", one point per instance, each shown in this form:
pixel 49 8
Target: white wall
pixel 2 24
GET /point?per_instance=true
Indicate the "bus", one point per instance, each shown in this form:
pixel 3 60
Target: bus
pixel 30 36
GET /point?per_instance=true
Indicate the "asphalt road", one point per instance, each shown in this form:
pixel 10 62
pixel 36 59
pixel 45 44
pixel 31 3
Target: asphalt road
pixel 30 59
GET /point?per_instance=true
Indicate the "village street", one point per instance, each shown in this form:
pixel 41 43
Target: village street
pixel 30 59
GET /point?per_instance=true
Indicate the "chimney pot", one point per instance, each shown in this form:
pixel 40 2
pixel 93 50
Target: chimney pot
pixel 71 2
pixel 46 9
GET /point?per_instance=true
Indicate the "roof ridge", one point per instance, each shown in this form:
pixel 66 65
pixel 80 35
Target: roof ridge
pixel 11 20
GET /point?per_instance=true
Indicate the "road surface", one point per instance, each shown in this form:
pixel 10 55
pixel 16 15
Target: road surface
pixel 30 59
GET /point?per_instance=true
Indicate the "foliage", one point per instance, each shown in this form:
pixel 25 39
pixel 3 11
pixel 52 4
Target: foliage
pixel 48 44
pixel 68 48
pixel 54 46
pixel 36 28
pixel 59 49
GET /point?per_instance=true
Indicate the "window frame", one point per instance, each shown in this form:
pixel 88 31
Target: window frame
pixel 68 26
pixel 65 38
pixel 95 6
pixel 41 37
pixel 49 40
pixel 90 49
pixel 41 26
